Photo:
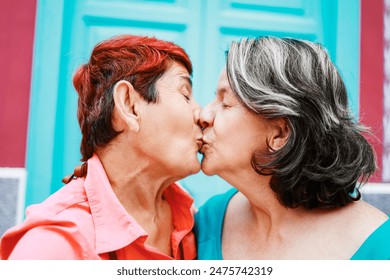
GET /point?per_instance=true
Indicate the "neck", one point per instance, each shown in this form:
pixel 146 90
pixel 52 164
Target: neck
pixel 137 182
pixel 260 202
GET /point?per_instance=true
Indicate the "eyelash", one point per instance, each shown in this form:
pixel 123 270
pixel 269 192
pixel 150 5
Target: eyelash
pixel 186 97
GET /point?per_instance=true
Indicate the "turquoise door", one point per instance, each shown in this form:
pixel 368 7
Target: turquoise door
pixel 66 32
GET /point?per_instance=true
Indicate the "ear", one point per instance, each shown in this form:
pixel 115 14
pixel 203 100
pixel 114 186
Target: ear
pixel 126 106
pixel 280 132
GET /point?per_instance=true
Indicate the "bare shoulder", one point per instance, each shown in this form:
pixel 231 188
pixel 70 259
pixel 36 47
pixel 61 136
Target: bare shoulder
pixel 367 214
pixel 338 234
pixel 361 219
pixel 237 207
pixel 237 215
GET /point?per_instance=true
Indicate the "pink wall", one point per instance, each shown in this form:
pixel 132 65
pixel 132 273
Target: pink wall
pixel 372 74
pixel 17 20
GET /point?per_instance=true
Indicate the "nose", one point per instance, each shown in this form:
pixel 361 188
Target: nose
pixel 206 117
pixel 196 111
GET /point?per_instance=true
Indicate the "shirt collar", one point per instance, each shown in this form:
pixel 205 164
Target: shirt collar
pixel 114 227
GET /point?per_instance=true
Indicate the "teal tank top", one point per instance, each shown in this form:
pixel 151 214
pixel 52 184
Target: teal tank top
pixel 209 224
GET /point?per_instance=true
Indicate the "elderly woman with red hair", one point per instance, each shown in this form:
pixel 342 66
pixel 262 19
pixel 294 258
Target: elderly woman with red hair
pixel 138 121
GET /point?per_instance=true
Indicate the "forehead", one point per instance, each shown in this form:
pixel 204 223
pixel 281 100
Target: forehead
pixel 223 79
pixel 223 86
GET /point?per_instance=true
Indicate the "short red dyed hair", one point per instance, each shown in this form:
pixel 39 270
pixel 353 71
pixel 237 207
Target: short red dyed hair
pixel 137 59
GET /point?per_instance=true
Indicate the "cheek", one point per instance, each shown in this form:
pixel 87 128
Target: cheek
pixel 180 121
pixel 236 147
pixel 239 151
pixel 169 136
pixel 181 130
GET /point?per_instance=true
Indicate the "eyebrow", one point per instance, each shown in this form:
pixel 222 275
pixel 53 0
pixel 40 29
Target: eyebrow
pixel 188 79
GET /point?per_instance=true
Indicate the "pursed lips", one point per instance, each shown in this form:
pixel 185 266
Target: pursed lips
pixel 205 145
pixel 205 140
pixel 199 142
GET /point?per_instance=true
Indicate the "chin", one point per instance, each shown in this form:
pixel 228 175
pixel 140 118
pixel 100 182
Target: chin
pixel 196 170
pixel 192 166
pixel 206 168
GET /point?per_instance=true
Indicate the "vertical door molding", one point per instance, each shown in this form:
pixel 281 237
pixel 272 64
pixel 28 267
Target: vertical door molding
pixel 43 101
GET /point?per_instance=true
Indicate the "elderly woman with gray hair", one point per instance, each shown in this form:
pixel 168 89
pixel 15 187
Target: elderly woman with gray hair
pixel 281 133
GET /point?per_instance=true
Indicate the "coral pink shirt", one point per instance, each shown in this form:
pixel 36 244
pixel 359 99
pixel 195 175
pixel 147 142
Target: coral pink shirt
pixel 85 220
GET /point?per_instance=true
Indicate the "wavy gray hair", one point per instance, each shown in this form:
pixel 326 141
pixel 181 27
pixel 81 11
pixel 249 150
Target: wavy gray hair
pixel 325 154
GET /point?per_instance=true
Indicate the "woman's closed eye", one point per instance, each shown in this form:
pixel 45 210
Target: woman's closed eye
pixel 186 93
pixel 187 98
pixel 226 106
